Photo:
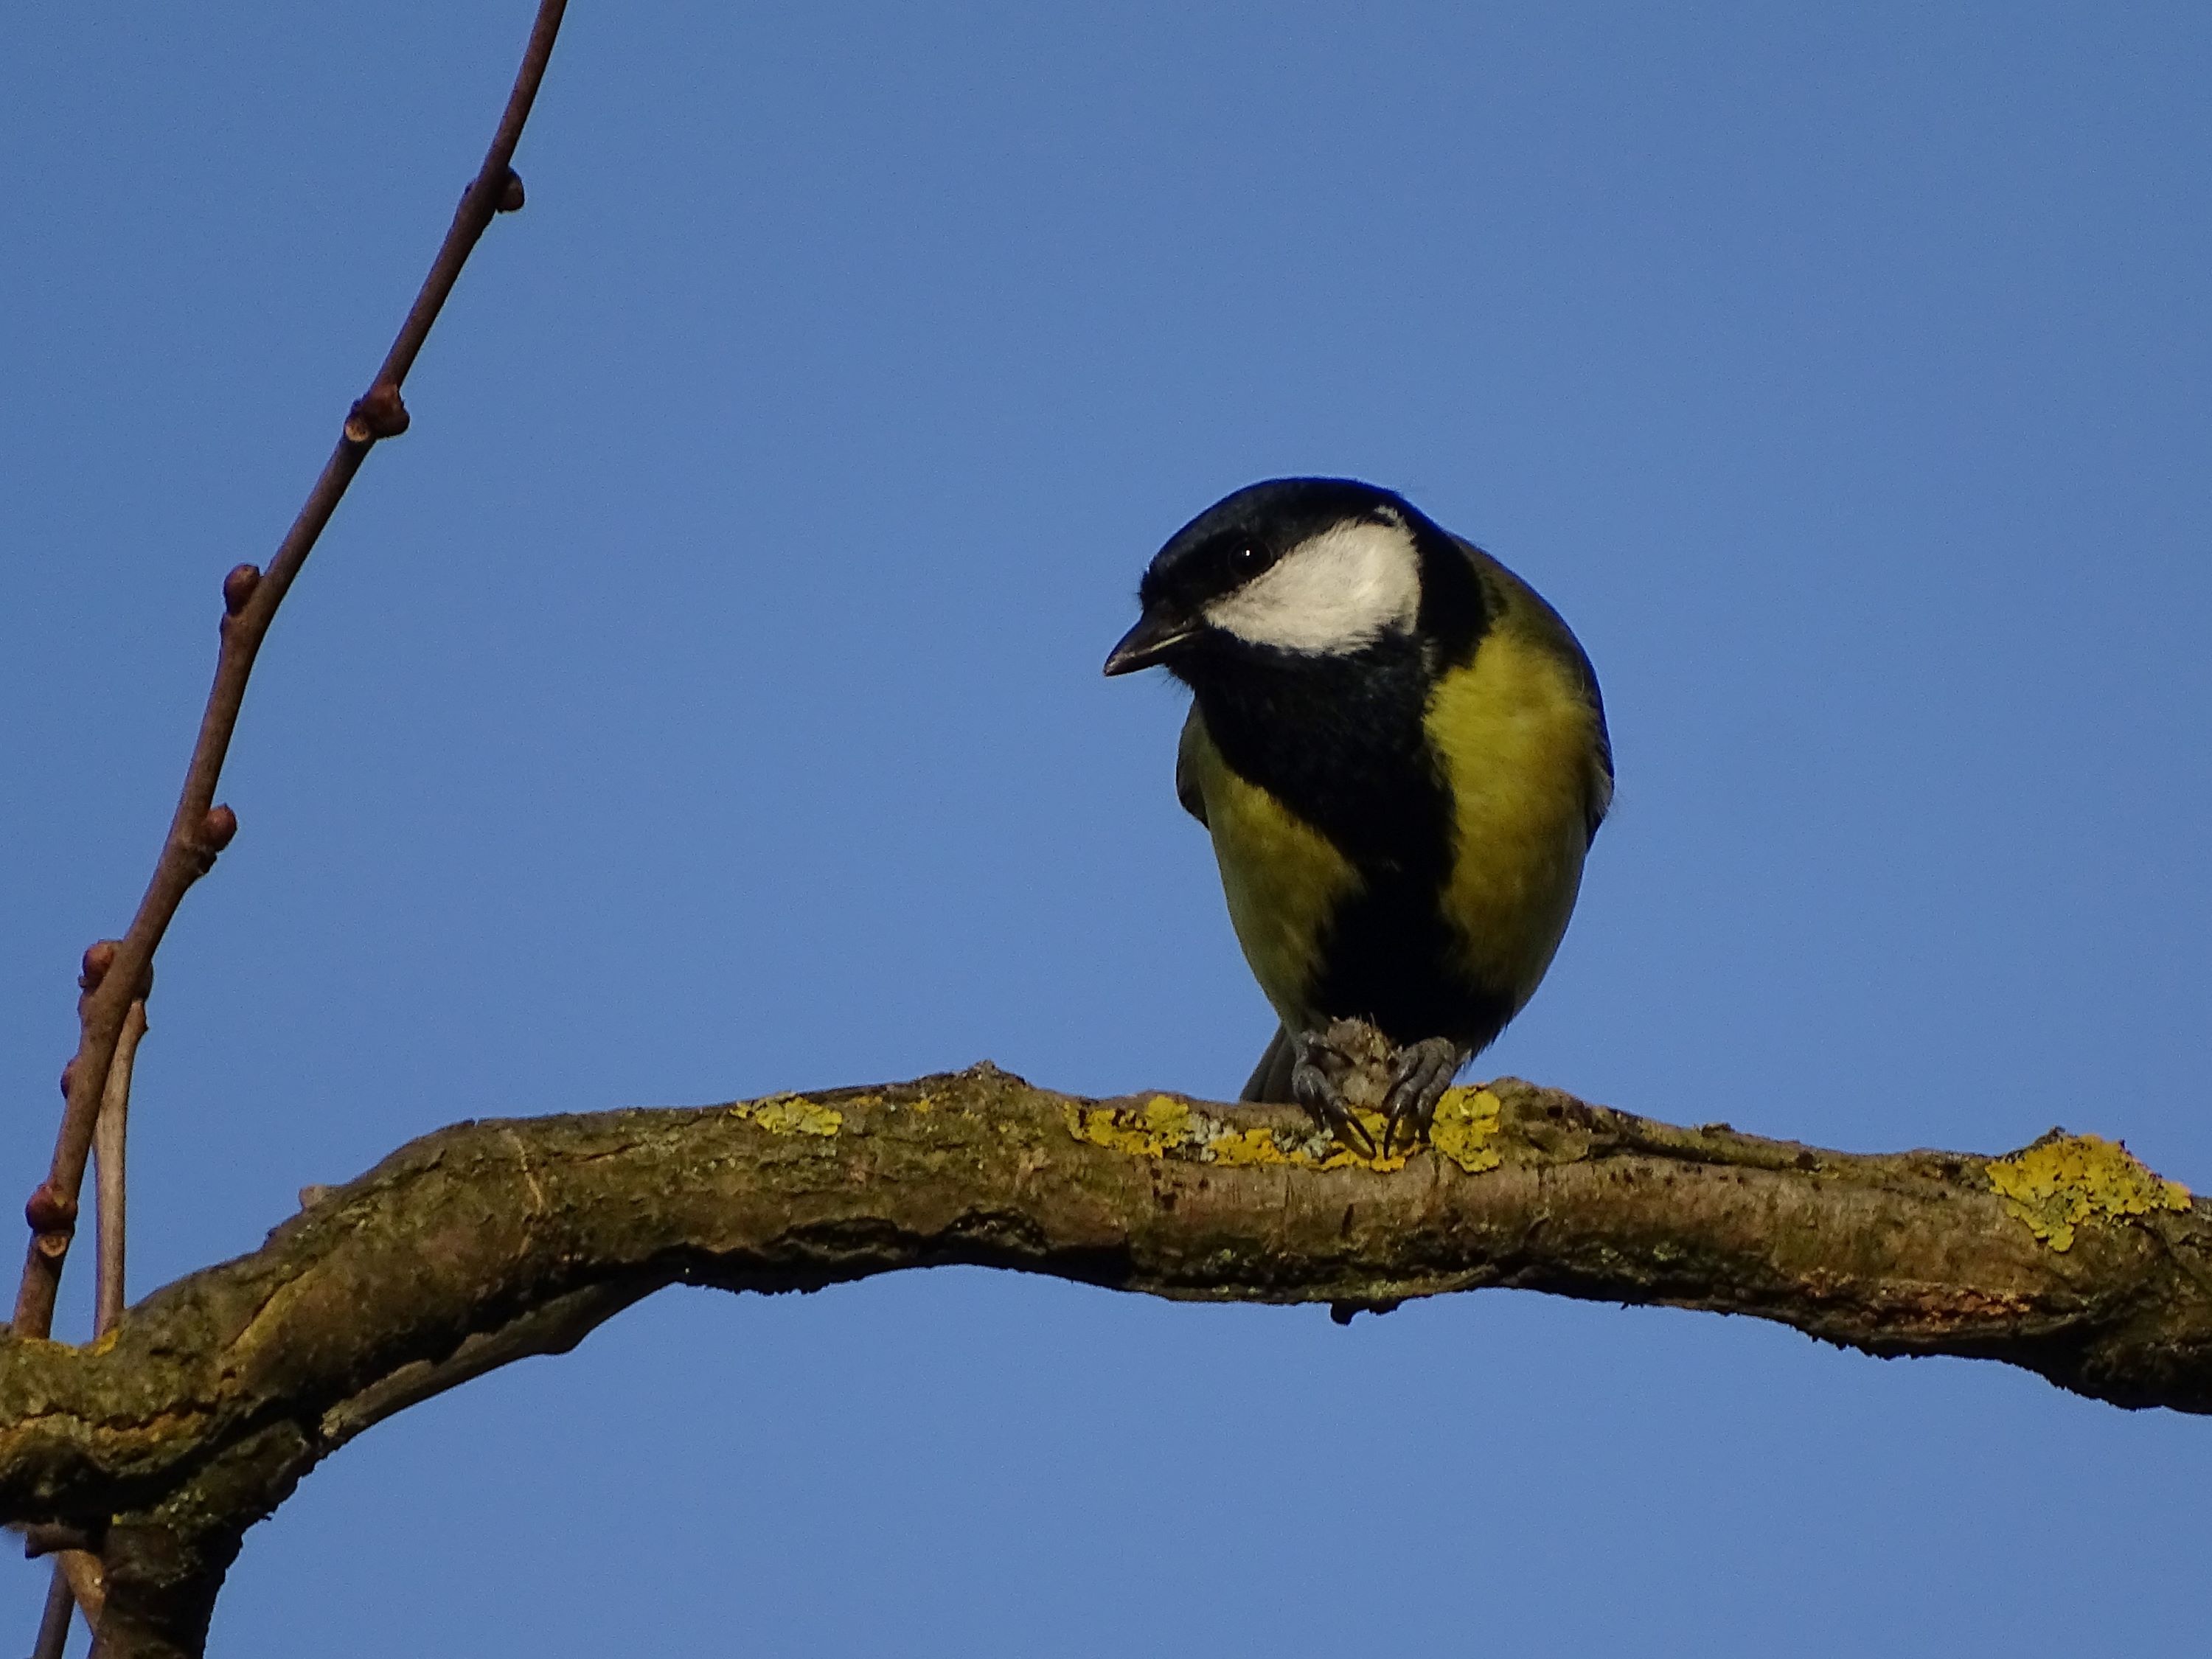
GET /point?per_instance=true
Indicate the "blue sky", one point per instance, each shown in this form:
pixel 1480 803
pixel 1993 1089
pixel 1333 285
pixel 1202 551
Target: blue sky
pixel 703 700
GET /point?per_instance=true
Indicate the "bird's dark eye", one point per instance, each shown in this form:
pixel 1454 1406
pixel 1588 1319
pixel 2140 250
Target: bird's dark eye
pixel 1249 559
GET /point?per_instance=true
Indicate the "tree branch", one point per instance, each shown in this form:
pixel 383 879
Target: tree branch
pixel 489 1240
pixel 117 971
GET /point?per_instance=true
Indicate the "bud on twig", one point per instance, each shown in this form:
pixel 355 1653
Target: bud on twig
pixel 238 588
pixel 216 831
pixel 69 1076
pixel 510 195
pixel 99 958
pixel 49 1211
pixel 378 413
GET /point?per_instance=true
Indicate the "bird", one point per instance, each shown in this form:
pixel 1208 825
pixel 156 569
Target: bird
pixel 1399 752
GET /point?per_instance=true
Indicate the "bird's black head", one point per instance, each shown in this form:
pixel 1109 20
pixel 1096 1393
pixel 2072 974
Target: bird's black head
pixel 1307 566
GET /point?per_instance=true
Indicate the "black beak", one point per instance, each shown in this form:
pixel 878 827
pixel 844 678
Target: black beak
pixel 1153 640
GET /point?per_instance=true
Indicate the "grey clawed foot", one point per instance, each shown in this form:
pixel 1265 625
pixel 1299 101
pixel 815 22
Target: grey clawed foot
pixel 1423 1071
pixel 1317 1091
pixel 1348 1056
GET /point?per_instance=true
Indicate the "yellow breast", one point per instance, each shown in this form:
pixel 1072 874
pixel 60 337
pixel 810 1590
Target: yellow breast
pixel 1517 740
pixel 1282 877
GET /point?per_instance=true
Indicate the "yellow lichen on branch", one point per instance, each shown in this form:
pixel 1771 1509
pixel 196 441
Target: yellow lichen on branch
pixel 2063 1180
pixel 1166 1127
pixel 1467 1122
pixel 792 1115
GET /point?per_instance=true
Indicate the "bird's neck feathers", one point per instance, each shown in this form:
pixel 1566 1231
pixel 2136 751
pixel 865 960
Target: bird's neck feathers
pixel 1334 594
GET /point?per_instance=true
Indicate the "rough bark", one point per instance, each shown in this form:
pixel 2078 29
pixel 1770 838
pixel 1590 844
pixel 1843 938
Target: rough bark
pixel 480 1242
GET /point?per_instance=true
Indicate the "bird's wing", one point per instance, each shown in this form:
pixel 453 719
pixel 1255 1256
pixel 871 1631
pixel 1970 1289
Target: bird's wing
pixel 1186 789
pixel 1508 593
pixel 1600 800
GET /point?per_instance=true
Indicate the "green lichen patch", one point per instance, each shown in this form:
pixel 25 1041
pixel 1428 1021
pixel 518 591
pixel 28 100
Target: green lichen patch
pixel 1165 1128
pixel 2063 1180
pixel 792 1115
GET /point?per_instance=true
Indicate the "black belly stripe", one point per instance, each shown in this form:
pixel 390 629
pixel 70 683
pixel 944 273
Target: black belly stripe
pixel 1390 961
pixel 1340 742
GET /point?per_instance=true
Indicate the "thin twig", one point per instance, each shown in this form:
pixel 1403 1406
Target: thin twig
pixel 119 973
pixel 108 1150
pixel 109 1221
pixel 200 828
pixel 77 1582
pixel 87 1582
pixel 54 1622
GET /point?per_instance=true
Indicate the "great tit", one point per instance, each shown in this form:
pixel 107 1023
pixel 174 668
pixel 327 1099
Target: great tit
pixel 1401 753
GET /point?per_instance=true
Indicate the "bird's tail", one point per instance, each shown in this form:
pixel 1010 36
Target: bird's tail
pixel 1270 1082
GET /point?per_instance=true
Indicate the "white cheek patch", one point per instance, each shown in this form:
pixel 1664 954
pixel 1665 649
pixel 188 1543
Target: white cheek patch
pixel 1338 592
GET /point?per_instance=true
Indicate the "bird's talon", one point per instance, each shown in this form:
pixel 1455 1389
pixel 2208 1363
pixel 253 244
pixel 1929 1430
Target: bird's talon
pixel 1318 1092
pixel 1422 1072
